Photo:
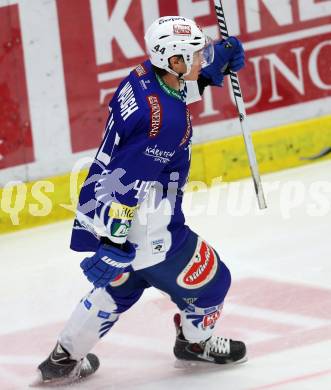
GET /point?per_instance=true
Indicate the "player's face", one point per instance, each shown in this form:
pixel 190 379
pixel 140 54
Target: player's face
pixel 195 67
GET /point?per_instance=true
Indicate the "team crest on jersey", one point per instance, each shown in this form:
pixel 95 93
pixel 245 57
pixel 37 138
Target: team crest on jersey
pixel 121 279
pixel 140 70
pixel 155 115
pixel 182 29
pixel 200 269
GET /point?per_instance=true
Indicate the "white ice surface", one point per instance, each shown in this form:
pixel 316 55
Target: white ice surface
pixel 280 302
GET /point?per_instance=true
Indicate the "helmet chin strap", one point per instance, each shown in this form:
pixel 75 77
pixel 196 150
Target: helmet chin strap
pixel 188 69
pixel 179 75
pixel 169 70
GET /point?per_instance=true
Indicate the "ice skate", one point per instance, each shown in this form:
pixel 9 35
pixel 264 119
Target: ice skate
pixel 216 349
pixel 59 369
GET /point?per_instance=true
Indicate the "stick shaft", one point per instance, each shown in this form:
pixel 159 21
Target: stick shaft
pixel 242 113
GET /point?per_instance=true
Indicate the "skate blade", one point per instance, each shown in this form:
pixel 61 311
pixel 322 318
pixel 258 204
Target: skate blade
pixel 39 382
pixel 200 365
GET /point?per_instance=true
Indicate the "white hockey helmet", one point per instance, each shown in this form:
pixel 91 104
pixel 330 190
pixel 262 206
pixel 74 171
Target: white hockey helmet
pixel 175 35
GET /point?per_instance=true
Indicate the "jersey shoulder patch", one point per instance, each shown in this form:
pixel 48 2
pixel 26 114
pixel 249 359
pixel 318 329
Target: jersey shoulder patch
pixel 141 70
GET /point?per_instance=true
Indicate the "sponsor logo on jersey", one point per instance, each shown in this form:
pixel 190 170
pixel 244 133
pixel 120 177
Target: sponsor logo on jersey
pixel 155 115
pixel 140 70
pixel 103 314
pixel 190 301
pixel 182 29
pixel 120 279
pixel 127 101
pixel 87 304
pixel 209 320
pixel 163 156
pixel 144 84
pixel 200 269
pixel 188 131
pixel 119 229
pixel 122 211
pixel 82 225
pixel 158 246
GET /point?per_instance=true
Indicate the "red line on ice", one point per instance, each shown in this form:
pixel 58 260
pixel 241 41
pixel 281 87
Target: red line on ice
pixel 295 379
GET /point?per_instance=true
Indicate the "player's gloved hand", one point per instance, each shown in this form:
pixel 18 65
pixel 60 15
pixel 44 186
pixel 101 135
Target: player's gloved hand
pixel 229 54
pixel 107 263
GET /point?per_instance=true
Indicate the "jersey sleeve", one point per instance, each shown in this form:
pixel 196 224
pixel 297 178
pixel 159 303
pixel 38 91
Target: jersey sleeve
pixel 127 164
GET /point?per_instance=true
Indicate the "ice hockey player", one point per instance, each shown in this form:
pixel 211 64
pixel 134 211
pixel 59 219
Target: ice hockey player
pixel 129 213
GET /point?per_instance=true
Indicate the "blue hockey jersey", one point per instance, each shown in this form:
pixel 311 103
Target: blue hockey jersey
pixel 134 186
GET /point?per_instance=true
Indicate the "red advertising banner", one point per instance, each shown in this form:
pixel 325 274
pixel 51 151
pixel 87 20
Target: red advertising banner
pixel 288 51
pixel 288 58
pixel 15 131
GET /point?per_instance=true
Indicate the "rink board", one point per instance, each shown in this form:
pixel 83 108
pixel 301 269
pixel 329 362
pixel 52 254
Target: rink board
pixel 56 81
pixel 52 199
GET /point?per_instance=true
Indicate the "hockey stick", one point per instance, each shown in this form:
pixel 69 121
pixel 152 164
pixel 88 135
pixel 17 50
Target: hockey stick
pixel 242 113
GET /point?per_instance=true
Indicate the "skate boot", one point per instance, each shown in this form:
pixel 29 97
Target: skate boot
pixel 60 369
pixel 216 349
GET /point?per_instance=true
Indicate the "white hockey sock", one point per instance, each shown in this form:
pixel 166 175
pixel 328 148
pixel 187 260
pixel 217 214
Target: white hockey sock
pixel 92 319
pixel 198 323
